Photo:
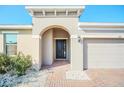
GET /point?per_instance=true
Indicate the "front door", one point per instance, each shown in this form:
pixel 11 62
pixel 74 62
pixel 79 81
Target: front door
pixel 61 49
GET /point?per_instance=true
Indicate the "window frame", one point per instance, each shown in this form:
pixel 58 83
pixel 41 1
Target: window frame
pixel 4 40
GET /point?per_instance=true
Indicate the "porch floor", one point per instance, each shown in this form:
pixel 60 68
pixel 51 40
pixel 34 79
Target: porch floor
pixel 98 77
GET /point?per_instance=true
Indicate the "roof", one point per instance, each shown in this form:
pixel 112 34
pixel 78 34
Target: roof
pixel 81 26
pixel 92 24
pixel 100 26
pixel 15 26
pixel 54 7
pixel 55 11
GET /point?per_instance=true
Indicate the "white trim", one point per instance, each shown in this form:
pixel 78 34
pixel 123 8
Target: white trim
pixel 15 26
pixel 81 26
pixel 84 24
pixel 56 6
pixel 100 26
pixel 41 10
pixel 4 43
pixel 10 32
pixel 60 38
pixel 103 36
pixel 100 29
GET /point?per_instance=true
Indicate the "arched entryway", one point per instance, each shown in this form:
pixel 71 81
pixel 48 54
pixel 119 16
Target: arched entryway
pixel 55 45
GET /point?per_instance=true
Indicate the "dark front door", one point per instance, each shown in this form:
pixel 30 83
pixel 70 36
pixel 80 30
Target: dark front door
pixel 60 49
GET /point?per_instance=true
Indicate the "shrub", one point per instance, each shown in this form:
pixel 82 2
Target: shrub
pixel 5 63
pixel 21 63
pixel 17 64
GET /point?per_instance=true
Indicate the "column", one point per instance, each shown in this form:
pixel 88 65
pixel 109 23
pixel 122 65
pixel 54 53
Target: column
pixel 76 53
pixel 76 72
pixel 37 51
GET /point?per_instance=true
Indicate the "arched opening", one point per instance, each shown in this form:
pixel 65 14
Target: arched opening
pixel 55 45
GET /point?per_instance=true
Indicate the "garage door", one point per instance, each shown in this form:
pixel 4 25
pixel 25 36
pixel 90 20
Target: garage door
pixel 103 53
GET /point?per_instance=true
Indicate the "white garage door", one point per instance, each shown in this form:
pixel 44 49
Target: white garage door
pixel 103 53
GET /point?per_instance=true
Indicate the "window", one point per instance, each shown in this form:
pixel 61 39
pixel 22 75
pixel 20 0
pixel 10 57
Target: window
pixel 10 43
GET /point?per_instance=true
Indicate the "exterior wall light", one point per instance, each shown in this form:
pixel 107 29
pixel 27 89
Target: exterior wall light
pixel 79 39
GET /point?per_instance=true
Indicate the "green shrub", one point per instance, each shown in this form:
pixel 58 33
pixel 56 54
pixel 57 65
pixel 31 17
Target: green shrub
pixel 5 63
pixel 21 63
pixel 17 64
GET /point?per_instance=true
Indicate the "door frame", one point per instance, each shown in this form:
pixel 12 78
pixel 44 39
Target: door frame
pixel 66 48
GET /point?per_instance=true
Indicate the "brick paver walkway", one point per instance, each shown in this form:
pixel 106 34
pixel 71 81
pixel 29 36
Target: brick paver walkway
pixel 99 77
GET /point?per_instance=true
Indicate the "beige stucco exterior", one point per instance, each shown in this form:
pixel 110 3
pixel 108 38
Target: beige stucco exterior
pixel 47 47
pixel 89 45
pixel 49 38
pixel 41 25
pixel 24 42
pixel 24 38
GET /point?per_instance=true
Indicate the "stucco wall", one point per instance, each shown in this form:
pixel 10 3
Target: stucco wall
pixel 41 24
pixel 47 47
pixel 33 45
pixel 24 38
pixel 103 48
pixel 60 33
pixel 49 44
pixel 24 42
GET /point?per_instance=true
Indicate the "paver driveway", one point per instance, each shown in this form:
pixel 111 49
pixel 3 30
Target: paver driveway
pixel 98 77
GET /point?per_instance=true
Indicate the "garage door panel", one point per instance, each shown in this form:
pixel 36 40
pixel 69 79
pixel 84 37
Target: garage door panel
pixel 103 53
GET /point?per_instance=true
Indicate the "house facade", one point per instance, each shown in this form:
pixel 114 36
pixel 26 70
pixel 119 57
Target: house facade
pixel 57 34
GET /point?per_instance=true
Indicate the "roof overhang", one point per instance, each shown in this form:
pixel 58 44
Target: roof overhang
pixel 15 26
pixel 85 26
pixel 55 11
pixel 88 26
